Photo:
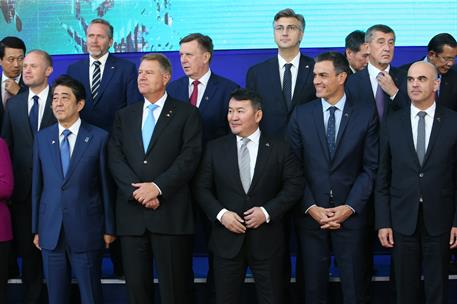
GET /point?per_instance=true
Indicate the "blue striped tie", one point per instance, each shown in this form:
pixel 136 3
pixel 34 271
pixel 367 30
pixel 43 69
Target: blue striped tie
pixel 96 78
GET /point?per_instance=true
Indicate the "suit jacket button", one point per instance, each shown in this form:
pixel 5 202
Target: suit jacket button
pixel 421 174
pixel 145 162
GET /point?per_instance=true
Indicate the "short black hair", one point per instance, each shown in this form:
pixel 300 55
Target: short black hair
pixel 246 94
pixel 76 87
pixel 340 62
pixel 205 42
pixel 11 42
pixel 437 43
pixel 378 28
pixel 354 40
pixel 290 13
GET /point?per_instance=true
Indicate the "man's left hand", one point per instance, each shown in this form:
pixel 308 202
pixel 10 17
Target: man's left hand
pixel 145 192
pixel 108 239
pixel 340 214
pixel 453 238
pixel 254 217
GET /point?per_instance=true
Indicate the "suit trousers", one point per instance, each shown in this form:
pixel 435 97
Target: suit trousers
pixel 58 266
pixel 5 249
pixel 268 274
pixel 316 247
pixel 421 251
pixel 173 257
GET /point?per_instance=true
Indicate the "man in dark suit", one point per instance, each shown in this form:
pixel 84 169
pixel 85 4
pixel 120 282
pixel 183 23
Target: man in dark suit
pixel 110 85
pixel 110 82
pixel 72 216
pixel 356 51
pixel 442 50
pixel 336 140
pixel 207 91
pixel 286 80
pixel 27 113
pixel 380 84
pixel 245 195
pixel 416 189
pixel 153 153
pixel 12 52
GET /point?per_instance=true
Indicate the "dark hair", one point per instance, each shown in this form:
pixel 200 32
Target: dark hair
pixel 161 59
pixel 437 43
pixel 246 94
pixel 103 21
pixel 76 87
pixel 354 40
pixel 43 54
pixel 204 42
pixel 340 62
pixel 11 42
pixel 377 28
pixel 290 13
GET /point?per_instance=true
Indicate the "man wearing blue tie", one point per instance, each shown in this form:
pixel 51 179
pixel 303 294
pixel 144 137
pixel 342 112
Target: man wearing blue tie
pixel 72 218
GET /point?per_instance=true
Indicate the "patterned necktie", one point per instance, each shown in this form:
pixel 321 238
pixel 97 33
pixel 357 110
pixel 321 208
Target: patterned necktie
pixel 33 115
pixel 244 164
pixel 148 126
pixel 96 78
pixel 420 144
pixel 331 132
pixel 287 84
pixel 65 151
pixel 380 100
pixel 194 96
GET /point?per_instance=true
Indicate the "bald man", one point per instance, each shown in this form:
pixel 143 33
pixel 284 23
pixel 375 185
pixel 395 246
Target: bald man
pixel 415 198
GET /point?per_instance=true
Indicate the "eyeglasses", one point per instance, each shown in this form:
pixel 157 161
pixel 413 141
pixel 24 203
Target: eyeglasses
pixel 13 59
pixel 289 28
pixel 446 59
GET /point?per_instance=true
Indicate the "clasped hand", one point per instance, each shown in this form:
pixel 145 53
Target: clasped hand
pixel 330 218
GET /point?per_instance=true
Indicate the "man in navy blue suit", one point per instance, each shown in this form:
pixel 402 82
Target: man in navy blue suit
pixel 72 217
pixel 207 91
pixel 336 140
pixel 286 80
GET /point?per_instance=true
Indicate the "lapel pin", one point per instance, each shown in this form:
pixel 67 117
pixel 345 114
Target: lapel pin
pixel 346 115
pixel 206 97
pixel 112 68
pixel 53 142
pixel 307 67
pixel 86 139
pixel 439 119
pixel 267 144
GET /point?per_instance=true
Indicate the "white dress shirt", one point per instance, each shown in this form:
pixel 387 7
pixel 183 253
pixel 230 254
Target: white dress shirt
pixel 428 123
pixel 293 70
pixel 338 113
pixel 253 149
pixel 74 129
pixel 201 86
pixel 159 103
pixel 373 73
pixel 92 66
pixel 42 97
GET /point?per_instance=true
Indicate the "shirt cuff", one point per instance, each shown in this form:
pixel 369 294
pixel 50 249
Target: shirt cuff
pixel 160 191
pixel 220 214
pixel 353 211
pixel 267 216
pixel 393 97
pixel 313 205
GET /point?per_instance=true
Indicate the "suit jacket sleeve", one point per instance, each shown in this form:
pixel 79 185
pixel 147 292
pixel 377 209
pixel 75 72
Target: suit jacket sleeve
pixel 383 180
pixel 185 165
pixel 363 185
pixel 37 185
pixel 297 148
pixel 7 133
pixel 6 173
pixel 106 190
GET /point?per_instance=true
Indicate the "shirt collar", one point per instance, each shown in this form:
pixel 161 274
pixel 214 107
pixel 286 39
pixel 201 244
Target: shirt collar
pixel 254 137
pixel 339 105
pixel 430 110
pixel 43 95
pixel 374 71
pixel 101 59
pixel 16 79
pixel 159 103
pixel 295 62
pixel 74 128
pixel 203 80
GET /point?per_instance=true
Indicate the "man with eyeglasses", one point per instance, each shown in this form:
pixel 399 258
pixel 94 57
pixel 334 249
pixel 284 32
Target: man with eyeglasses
pixel 442 50
pixel 286 80
pixel 12 52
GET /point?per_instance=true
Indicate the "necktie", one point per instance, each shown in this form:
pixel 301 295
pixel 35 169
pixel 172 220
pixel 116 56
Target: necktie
pixel 148 126
pixel 380 100
pixel 420 144
pixel 287 84
pixel 65 151
pixel 244 164
pixel 96 78
pixel 331 132
pixel 33 115
pixel 194 96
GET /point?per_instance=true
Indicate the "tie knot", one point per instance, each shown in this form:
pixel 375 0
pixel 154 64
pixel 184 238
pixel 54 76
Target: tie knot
pixel 332 110
pixel 287 66
pixel 97 63
pixel 421 114
pixel 66 133
pixel 195 83
pixel 245 141
pixel 35 99
pixel 152 107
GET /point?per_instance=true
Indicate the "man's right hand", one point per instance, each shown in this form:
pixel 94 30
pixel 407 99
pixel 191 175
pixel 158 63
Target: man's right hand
pixel 36 241
pixel 321 216
pixel 386 237
pixel 233 222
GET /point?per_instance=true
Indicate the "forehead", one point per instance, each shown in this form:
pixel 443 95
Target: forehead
pixel 287 20
pixel 13 52
pixel 239 103
pixel 97 28
pixel 449 51
pixel 324 66
pixel 418 70
pixel 61 89
pixel 381 35
pixel 190 46
pixel 149 65
pixel 34 57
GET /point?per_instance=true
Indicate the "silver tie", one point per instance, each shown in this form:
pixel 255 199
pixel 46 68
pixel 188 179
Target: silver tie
pixel 420 145
pixel 244 163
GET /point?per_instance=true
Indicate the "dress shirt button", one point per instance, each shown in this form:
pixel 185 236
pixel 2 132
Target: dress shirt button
pixel 421 174
pixel 145 162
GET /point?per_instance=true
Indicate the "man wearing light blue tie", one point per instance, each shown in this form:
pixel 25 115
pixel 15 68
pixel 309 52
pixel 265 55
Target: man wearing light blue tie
pixel 72 218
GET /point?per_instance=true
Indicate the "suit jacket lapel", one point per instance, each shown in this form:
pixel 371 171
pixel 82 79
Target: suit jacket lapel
pixel 24 118
pixel 47 113
pixel 167 114
pixel 211 88
pixel 434 134
pixel 263 155
pixel 54 146
pixel 302 77
pixel 82 143
pixel 108 72
pixel 275 82
pixel 318 117
pixel 406 120
pixel 347 113
pixel 366 85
